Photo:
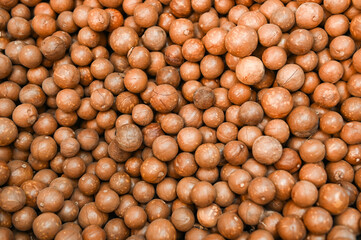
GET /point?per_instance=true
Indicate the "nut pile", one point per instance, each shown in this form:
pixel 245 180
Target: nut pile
pixel 180 119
